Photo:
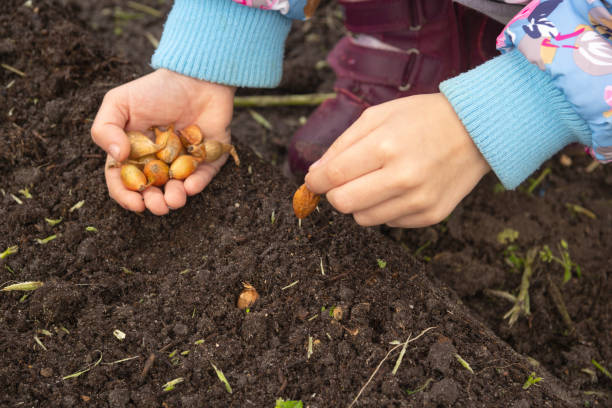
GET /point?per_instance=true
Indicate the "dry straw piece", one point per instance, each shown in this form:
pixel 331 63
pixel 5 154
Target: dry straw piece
pixel 31 285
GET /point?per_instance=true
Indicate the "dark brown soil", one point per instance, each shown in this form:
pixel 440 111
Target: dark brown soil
pixel 171 283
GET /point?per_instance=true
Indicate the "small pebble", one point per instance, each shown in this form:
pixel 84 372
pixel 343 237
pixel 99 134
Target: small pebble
pixel 46 372
pixel 565 160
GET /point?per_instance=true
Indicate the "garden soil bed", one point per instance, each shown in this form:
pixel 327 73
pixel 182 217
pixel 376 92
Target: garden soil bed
pixel 171 283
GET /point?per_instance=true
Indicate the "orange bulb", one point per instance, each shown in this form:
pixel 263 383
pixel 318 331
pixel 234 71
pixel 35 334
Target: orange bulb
pixel 247 297
pixel 156 172
pixel 172 146
pixel 211 150
pixel 183 166
pixel 141 145
pixel 133 178
pixel 191 135
pixel 304 202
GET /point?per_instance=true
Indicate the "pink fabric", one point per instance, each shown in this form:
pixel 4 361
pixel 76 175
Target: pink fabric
pixel 281 5
pixel 501 41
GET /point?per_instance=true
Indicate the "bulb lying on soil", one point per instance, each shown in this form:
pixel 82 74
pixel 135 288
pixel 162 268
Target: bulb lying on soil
pixel 133 178
pixel 304 202
pixel 141 145
pixel 247 297
pixel 157 172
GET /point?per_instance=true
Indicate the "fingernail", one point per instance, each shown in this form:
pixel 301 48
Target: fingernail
pixel 114 151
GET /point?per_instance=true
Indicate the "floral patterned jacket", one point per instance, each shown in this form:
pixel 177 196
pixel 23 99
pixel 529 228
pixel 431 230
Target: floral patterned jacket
pixel 296 9
pixel 571 40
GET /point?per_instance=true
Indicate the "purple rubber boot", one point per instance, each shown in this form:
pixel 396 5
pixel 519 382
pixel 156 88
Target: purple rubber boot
pixel 426 41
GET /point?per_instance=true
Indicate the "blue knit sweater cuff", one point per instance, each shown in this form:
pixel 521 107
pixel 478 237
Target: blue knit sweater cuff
pixel 515 115
pixel 224 42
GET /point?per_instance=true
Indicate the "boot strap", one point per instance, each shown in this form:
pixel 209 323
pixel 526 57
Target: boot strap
pixel 375 66
pixel 373 16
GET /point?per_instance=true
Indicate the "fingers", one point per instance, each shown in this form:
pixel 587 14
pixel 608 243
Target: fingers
pixel 174 194
pixel 205 172
pixel 366 191
pixel 366 123
pixel 107 129
pixel 200 178
pixel 130 200
pixel 154 201
pixel 412 209
pixel 362 156
pixel 419 220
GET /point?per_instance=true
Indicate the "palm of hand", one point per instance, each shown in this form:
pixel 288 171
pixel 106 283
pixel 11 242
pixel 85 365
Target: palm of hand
pixel 159 99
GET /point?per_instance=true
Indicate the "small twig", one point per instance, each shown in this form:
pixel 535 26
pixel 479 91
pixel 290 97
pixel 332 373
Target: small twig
pixel 601 368
pixel 144 8
pixel 13 70
pixel 147 366
pixel 592 166
pixel 578 209
pixel 335 278
pixel 281 100
pixel 283 381
pixel 538 180
pixel 290 285
pixel 400 357
pixel 557 298
pixel 40 137
pixel 154 41
pixel 500 293
pixel 171 344
pixel 410 340
pixel 260 119
pixel 522 300
pixel 309 350
pixel 89 367
pixel 121 360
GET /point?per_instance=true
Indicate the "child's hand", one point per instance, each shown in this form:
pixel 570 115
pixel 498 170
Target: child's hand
pixel 158 99
pixel 406 163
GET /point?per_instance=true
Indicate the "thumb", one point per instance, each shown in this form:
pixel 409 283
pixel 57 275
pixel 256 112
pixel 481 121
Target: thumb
pixel 107 129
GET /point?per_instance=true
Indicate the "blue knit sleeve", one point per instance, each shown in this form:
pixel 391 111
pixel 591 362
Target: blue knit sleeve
pixel 515 114
pixel 224 42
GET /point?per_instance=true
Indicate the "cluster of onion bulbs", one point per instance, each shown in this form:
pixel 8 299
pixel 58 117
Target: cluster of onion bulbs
pixel 173 155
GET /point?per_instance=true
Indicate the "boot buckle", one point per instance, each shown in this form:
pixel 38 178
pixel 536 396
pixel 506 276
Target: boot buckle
pixel 408 84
